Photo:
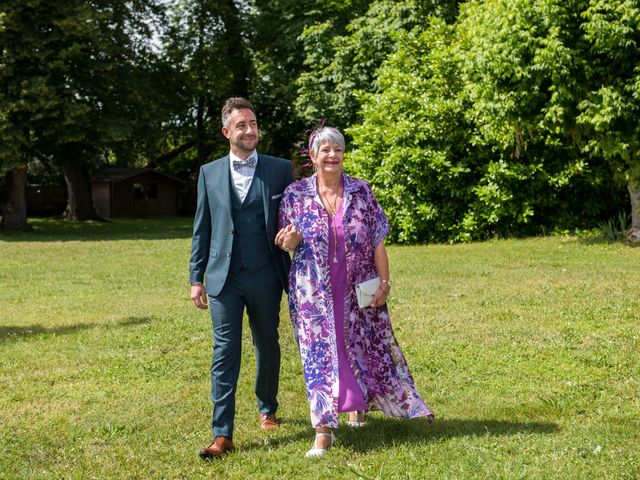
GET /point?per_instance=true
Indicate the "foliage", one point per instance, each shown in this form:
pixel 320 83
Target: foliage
pixel 414 129
pixel 506 158
pixel 526 350
pixel 342 58
pixel 79 89
pixel 615 229
pixel 521 75
pixel 471 120
pixel 73 77
pixel 278 59
pixel 204 42
pixel 611 107
pixel 534 71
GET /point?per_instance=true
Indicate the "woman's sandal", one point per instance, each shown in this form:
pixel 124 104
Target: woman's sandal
pixel 356 419
pixel 320 452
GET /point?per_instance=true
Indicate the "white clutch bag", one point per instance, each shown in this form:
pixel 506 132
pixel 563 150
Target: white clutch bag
pixel 366 290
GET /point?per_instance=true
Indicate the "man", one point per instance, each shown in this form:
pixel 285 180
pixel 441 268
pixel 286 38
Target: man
pixel 233 253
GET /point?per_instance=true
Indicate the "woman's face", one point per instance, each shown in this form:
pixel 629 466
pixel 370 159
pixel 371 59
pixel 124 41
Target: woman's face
pixel 329 158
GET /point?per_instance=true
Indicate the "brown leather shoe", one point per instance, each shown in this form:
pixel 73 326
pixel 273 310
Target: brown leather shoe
pixel 268 422
pixel 218 448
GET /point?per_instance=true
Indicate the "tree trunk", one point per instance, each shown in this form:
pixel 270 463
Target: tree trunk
pixel 14 211
pixel 80 199
pixel 240 64
pixel 633 237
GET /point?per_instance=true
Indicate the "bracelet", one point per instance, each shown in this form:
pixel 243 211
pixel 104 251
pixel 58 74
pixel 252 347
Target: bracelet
pixel 193 284
pixel 288 250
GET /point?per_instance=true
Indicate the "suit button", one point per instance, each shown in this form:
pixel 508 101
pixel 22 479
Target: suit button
pixel 231 231
pixel 228 254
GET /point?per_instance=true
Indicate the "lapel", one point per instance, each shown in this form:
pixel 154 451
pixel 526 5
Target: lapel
pixel 349 188
pixel 263 174
pixel 222 177
pixel 311 189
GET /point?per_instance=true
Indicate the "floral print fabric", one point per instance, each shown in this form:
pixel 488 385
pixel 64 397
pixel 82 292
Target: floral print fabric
pixel 372 349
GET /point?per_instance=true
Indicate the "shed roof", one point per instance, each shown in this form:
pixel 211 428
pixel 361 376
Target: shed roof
pixel 116 175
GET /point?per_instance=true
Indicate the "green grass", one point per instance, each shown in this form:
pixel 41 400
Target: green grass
pixel 526 350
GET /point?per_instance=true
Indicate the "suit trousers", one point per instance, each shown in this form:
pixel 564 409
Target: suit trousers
pixel 261 293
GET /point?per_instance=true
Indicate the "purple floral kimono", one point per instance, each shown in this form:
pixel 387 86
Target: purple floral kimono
pixel 373 352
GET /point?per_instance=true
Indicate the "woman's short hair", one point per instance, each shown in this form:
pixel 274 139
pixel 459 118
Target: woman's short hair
pixel 234 103
pixel 325 135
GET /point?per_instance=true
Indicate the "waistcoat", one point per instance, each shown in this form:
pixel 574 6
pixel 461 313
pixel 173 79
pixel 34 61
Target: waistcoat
pixel 250 244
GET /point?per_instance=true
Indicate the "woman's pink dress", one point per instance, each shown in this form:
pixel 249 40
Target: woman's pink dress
pixel 350 396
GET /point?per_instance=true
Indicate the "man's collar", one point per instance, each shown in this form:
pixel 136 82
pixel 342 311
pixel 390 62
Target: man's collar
pixel 233 156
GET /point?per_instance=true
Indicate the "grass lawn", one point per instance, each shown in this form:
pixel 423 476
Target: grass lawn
pixel 526 350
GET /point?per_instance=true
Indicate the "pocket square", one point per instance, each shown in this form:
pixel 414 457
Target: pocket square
pixel 273 197
pixel 366 290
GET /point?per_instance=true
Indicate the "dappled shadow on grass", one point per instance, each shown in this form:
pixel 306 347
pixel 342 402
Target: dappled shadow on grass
pixel 59 230
pixel 383 433
pixel 13 332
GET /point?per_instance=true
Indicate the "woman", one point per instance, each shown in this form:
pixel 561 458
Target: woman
pixel 350 357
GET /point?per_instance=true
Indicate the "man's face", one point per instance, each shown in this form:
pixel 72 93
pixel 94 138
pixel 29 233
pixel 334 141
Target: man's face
pixel 242 132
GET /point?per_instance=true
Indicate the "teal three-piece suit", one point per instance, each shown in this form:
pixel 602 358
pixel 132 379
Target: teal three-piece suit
pixel 234 254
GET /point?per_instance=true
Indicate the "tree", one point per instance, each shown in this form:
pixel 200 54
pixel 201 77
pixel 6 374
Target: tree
pixel 610 106
pixel 538 74
pixel 342 56
pixel 68 68
pixel 414 143
pixel 14 131
pixel 278 61
pixel 345 47
pixel 520 76
pixel 14 206
pixel 205 39
pixel 472 131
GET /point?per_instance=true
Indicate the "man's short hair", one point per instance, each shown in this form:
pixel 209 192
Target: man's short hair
pixel 234 103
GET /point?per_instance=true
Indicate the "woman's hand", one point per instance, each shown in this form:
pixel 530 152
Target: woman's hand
pixel 380 297
pixel 288 238
pixel 382 267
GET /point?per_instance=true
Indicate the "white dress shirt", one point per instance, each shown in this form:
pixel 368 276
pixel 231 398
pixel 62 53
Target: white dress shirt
pixel 242 178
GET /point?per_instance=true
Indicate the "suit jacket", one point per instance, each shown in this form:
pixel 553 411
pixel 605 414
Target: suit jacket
pixel 213 224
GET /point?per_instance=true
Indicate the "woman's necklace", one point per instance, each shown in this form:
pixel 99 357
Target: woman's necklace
pixel 332 210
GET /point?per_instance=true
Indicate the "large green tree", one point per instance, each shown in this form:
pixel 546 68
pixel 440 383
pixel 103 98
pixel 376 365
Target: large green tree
pixel 207 42
pixel 15 134
pixel 278 60
pixel 343 51
pixel 521 78
pixel 472 131
pixel 345 47
pixel 71 95
pixel 539 71
pixel 414 143
pixel 610 101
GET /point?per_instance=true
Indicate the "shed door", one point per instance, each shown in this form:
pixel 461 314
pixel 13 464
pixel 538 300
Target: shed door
pixel 139 201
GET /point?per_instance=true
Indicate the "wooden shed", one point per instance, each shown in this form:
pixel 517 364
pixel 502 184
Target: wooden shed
pixel 135 193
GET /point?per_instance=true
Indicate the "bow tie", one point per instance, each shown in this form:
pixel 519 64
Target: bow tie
pixel 249 162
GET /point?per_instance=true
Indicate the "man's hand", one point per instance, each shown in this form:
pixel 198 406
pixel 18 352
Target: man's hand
pixel 199 296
